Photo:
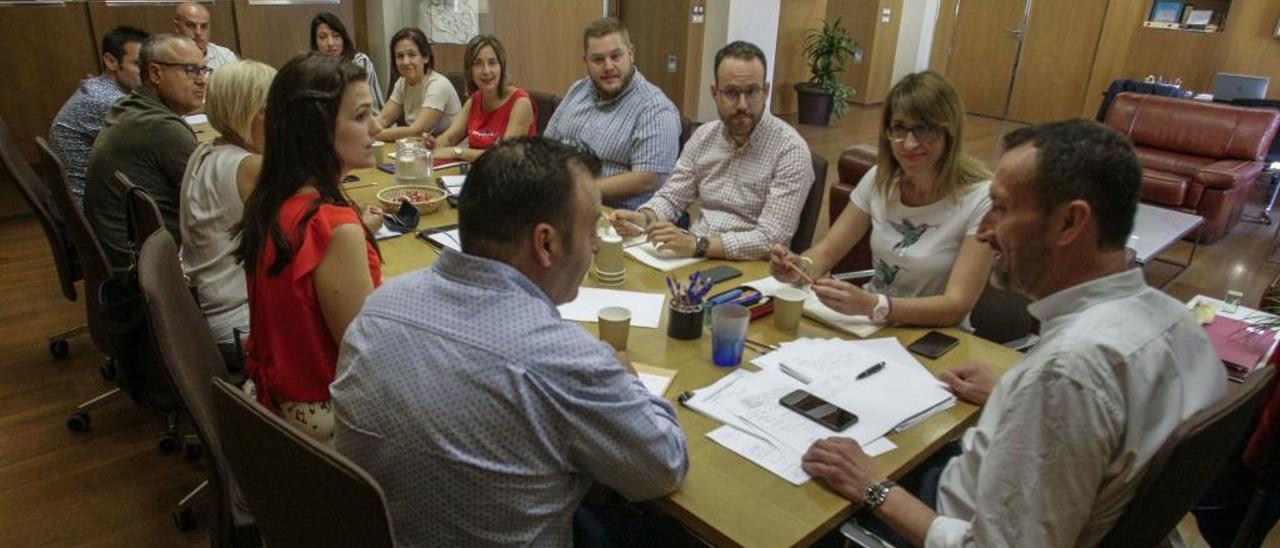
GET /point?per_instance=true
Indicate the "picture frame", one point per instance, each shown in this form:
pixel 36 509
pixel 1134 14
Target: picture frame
pixel 1166 12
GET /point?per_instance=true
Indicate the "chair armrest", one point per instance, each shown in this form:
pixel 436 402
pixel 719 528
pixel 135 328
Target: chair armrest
pixel 1228 174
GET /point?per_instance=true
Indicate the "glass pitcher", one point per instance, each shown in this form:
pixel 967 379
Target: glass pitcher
pixel 413 161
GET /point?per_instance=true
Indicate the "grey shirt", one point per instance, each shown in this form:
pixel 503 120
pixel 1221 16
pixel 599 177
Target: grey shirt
pixel 485 417
pixel 149 143
pixel 637 130
pixel 1066 435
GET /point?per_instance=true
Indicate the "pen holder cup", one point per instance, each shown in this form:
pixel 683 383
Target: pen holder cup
pixel 684 323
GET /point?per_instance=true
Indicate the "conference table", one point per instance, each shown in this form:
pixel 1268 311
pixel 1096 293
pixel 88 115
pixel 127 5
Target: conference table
pixel 726 499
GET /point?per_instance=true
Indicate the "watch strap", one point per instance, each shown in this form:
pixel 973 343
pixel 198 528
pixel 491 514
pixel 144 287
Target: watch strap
pixel 700 248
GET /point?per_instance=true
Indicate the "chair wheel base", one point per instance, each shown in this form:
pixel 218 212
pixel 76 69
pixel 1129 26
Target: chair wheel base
pixel 78 422
pixel 183 519
pixel 108 370
pixel 169 443
pixel 59 349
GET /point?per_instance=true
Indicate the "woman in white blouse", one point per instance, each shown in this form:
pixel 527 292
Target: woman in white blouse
pixel 426 99
pixel 921 206
pixel 329 36
pixel 220 175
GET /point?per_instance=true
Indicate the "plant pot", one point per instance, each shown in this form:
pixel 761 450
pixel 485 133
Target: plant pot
pixel 815 104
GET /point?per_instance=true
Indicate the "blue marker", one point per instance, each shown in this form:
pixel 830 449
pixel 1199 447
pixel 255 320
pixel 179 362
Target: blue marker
pixel 726 297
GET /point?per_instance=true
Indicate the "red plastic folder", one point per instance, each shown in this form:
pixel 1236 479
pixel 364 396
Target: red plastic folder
pixel 1238 343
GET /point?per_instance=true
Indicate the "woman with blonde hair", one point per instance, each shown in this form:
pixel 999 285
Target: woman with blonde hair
pixel 220 174
pixel 922 204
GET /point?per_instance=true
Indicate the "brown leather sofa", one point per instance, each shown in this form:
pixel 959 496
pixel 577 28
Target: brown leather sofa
pixel 1197 156
pixel 854 163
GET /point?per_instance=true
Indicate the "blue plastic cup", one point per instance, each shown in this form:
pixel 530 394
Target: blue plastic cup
pixel 728 333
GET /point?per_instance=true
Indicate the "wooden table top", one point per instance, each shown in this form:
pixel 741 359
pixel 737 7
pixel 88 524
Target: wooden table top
pixel 727 499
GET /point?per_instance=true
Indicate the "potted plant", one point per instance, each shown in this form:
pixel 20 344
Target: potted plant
pixel 825 50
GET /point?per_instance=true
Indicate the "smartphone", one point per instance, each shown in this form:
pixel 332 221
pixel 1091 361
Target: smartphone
pixel 720 273
pixel 819 410
pixel 933 344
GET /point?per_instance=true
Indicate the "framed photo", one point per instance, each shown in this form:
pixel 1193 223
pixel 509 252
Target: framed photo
pixel 1166 12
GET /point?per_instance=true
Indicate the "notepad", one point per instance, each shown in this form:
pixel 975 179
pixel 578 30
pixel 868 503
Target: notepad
pixel 651 257
pixel 445 238
pixel 646 308
pixel 655 379
pixel 453 183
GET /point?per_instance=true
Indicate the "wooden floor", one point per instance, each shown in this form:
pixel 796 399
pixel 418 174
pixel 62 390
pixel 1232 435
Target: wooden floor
pixel 111 487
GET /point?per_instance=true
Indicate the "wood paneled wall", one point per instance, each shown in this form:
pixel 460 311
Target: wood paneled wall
pixel 544 40
pixel 1053 74
pixel 943 31
pixel 1249 46
pixel 798 18
pixel 871 78
pixel 158 19
pixel 265 36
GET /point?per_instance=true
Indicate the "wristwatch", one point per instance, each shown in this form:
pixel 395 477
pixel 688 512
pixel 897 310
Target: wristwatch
pixel 883 307
pixel 875 495
pixel 700 249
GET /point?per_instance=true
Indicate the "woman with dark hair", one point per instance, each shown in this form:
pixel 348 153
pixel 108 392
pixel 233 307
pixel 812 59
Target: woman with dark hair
pixel 308 253
pixel 423 96
pixel 921 206
pixel 495 110
pixel 329 36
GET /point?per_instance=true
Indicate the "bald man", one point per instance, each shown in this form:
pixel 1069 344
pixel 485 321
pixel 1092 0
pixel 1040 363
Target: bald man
pixel 191 19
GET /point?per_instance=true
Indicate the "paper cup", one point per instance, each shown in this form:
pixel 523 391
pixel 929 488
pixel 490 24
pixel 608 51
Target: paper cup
pixel 614 326
pixel 609 257
pixel 788 304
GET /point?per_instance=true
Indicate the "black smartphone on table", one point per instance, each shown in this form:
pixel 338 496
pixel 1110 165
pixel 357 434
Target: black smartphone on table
pixel 933 344
pixel 819 410
pixel 720 274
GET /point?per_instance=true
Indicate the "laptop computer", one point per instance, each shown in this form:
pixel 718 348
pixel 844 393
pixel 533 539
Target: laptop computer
pixel 1229 87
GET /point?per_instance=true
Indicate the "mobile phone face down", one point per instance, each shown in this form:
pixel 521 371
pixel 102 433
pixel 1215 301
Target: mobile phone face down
pixel 720 273
pixel 819 410
pixel 933 344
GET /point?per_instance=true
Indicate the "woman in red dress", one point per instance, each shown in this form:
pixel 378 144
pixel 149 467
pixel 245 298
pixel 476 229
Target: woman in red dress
pixel 495 109
pixel 308 253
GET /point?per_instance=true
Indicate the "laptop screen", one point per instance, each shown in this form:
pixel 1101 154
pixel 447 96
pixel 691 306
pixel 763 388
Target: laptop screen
pixel 1229 87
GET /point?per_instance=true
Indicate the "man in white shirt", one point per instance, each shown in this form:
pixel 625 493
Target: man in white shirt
pixel 191 19
pixel 1065 434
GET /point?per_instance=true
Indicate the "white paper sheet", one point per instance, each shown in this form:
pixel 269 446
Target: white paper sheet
pixel 653 258
pixel 860 326
pixel 384 233
pixel 779 461
pixel 453 183
pixel 655 384
pixel 646 308
pixel 447 238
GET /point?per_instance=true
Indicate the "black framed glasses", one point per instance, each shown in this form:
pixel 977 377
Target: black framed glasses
pixel 924 133
pixel 193 70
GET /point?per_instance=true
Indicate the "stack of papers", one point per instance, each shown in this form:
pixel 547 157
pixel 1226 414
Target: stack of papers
pixel 774 437
pixel 860 326
pixel 646 308
pixel 453 183
pixel 649 255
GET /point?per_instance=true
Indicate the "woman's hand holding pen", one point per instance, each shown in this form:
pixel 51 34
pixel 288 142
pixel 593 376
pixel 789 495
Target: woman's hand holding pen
pixel 844 297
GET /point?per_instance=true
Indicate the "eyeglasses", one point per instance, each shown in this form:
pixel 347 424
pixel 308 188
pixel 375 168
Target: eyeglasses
pixel 924 133
pixel 193 70
pixel 753 94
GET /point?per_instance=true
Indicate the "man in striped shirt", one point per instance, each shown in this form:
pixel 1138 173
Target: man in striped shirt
pixel 750 172
pixel 625 120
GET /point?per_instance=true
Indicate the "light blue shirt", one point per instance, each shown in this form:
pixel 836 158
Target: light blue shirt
pixel 485 417
pixel 637 130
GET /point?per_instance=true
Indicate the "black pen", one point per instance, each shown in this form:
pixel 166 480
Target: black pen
pixel 870 371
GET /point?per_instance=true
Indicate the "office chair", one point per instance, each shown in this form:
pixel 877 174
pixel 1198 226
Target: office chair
pixel 1272 159
pixel 546 104
pixel 302 492
pixel 37 198
pixel 191 358
pixel 809 213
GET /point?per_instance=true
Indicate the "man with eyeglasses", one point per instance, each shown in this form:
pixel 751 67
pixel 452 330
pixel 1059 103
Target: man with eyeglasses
pixel 192 20
pixel 750 170
pixel 626 121
pixel 145 137
pixel 80 119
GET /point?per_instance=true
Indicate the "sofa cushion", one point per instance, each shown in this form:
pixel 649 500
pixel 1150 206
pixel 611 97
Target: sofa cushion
pixel 1170 161
pixel 1164 188
pixel 1228 174
pixel 1199 128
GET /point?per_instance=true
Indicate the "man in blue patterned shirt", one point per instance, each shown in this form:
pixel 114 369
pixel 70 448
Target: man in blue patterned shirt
pixel 80 119
pixel 626 121
pixel 485 417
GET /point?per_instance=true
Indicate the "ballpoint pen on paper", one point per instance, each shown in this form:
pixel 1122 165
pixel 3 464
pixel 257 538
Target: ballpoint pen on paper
pixel 870 371
pixel 804 379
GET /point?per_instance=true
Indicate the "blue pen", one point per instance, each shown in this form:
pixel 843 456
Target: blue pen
pixel 747 301
pixel 726 297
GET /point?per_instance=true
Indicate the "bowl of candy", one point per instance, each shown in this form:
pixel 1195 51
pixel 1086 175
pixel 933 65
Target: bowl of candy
pixel 426 199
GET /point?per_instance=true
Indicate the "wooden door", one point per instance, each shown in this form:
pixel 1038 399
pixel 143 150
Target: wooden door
pixel 158 17
pixel 48 50
pixel 658 29
pixel 1057 57
pixel 984 51
pixel 275 33
pixel 544 40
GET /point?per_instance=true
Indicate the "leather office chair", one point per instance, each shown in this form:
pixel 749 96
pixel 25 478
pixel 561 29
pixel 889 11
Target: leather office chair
pixel 459 81
pixel 143 213
pixel 37 198
pixel 191 358
pixel 545 104
pixel 809 214
pixel 302 493
pixel 854 163
pixel 687 128
pixel 1183 468
pixel 94 268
